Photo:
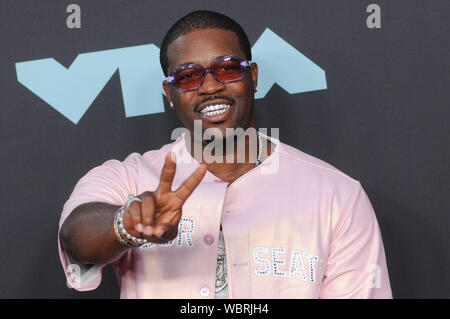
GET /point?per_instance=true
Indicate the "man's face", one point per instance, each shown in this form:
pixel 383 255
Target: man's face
pixel 202 47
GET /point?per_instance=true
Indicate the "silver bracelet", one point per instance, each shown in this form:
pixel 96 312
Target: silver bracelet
pixel 116 229
pixel 122 233
pixel 131 198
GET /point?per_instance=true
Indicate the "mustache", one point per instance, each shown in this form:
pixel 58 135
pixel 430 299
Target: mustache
pixel 210 98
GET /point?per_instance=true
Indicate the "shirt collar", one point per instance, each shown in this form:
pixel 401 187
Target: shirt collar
pixel 186 164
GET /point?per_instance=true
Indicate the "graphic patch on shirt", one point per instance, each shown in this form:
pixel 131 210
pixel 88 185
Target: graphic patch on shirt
pixel 184 238
pixel 278 263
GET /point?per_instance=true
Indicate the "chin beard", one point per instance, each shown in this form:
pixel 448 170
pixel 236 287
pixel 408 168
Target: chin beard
pixel 225 141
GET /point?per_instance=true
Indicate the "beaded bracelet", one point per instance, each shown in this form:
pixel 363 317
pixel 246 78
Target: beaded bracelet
pixel 135 242
pixel 122 235
pixel 116 230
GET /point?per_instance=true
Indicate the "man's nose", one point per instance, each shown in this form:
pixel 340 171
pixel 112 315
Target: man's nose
pixel 210 85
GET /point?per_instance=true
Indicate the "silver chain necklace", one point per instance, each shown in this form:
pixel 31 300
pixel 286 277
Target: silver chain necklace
pixel 260 146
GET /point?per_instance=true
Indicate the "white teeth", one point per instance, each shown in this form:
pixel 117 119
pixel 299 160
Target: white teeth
pixel 215 109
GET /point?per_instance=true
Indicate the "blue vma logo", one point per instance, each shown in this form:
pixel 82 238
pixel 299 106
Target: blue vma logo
pixel 72 91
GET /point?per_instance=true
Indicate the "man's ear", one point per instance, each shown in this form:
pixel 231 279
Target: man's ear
pixel 166 89
pixel 254 73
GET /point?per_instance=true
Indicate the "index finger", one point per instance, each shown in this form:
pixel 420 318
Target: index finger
pixel 167 174
pixel 190 184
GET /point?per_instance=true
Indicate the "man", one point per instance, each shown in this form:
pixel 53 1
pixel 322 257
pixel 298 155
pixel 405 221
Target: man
pixel 174 228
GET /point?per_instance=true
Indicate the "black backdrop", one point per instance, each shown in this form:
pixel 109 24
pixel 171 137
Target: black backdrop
pixel 383 120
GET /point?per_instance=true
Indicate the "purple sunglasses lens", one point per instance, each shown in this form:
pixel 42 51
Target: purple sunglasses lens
pixel 225 70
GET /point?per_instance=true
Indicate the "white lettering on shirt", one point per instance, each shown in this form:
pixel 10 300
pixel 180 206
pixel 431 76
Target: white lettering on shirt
pixel 261 261
pixel 276 261
pixel 186 228
pixel 312 269
pixel 296 266
pixel 261 257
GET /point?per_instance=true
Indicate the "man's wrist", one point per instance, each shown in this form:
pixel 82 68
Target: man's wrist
pixel 125 238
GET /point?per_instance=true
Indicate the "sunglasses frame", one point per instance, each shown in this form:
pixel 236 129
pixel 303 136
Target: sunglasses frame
pixel 245 64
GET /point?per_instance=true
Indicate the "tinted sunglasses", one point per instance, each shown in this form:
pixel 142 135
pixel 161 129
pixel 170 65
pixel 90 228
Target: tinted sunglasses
pixel 225 69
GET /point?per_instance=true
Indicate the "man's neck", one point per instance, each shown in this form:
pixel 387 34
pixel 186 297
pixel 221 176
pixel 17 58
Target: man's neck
pixel 232 165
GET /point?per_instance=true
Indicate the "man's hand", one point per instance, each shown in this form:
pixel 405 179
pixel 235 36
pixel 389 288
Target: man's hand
pixel 156 218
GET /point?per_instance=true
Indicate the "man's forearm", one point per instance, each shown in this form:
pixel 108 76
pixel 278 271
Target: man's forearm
pixel 87 235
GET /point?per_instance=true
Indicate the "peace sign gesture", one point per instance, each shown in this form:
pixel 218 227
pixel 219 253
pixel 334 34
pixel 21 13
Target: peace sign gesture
pixel 156 218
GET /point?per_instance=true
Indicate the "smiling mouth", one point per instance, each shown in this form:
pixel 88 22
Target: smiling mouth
pixel 215 109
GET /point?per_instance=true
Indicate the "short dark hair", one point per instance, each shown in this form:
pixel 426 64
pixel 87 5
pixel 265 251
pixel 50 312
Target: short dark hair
pixel 199 20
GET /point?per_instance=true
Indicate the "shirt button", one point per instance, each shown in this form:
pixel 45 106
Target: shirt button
pixel 218 181
pixel 208 239
pixel 204 292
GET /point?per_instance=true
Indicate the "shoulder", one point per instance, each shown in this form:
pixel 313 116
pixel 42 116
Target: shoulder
pixel 135 160
pixel 324 184
pixel 314 171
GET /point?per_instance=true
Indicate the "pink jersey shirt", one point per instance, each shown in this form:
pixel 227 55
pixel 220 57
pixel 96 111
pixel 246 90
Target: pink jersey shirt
pixel 294 227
